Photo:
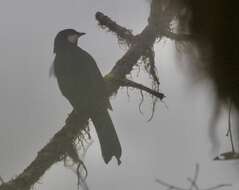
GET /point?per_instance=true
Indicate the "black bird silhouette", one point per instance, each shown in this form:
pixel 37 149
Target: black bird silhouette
pixel 81 82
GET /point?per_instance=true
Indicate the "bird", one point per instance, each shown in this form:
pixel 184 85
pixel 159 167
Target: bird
pixel 82 84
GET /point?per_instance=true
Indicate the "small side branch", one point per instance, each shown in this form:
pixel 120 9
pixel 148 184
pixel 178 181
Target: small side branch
pixel 168 185
pixel 178 37
pixel 130 83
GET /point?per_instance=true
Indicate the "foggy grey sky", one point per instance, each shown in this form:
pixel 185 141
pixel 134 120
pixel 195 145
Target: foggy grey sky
pixel 32 108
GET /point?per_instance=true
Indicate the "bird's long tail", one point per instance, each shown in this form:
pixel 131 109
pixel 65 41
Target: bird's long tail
pixel 109 142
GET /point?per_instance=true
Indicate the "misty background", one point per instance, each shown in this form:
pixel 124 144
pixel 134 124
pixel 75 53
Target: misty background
pixel 33 110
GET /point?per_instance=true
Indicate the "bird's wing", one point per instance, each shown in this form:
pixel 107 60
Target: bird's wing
pixel 94 77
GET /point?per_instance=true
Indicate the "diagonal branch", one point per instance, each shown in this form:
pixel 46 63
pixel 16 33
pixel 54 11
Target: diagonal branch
pixel 147 56
pixel 58 146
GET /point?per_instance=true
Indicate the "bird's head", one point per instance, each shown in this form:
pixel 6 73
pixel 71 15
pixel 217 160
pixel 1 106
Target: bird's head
pixel 66 37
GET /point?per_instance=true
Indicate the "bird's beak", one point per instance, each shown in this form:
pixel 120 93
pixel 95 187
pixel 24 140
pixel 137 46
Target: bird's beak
pixel 81 34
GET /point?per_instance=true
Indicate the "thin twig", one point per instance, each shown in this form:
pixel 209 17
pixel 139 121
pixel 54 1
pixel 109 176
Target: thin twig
pixel 218 186
pixel 193 183
pixel 229 131
pixel 168 185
